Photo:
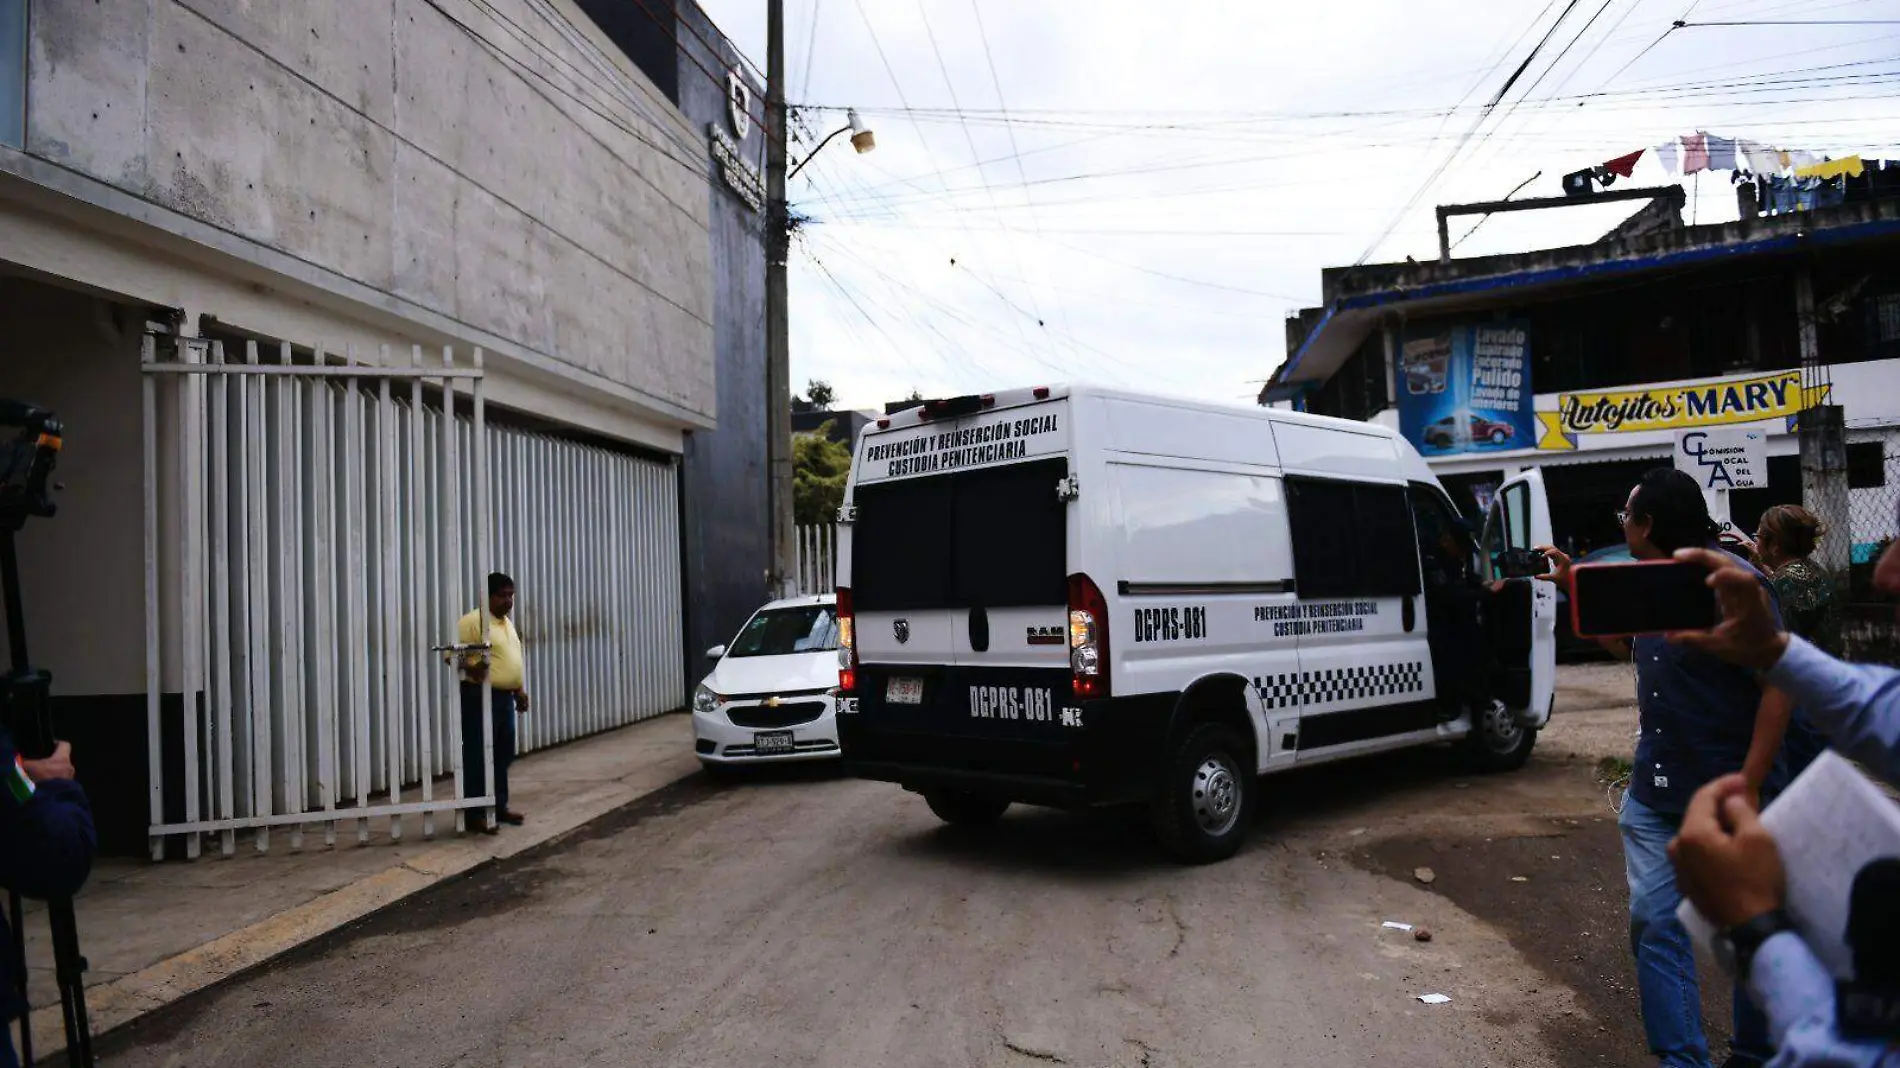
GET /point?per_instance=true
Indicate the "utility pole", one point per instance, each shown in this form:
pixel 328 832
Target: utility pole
pixel 778 346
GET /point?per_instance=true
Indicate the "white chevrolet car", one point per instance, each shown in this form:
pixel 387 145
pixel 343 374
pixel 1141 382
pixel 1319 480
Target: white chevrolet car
pixel 770 695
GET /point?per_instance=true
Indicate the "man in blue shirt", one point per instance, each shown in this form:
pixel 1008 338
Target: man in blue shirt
pixel 1701 719
pixel 1727 861
pixel 46 849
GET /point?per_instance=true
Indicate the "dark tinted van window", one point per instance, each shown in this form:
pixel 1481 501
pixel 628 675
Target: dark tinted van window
pixel 990 538
pixel 1351 539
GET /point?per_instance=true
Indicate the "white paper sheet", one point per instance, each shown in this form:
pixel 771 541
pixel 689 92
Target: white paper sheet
pixel 1828 824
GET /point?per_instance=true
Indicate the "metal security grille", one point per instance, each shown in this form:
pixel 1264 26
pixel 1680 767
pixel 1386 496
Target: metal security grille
pixel 314 524
pixel 592 539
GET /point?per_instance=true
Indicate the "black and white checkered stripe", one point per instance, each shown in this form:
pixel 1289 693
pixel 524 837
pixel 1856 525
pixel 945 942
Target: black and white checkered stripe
pixel 1299 689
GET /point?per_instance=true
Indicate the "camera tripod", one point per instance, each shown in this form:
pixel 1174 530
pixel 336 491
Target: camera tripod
pixel 25 697
pixel 24 694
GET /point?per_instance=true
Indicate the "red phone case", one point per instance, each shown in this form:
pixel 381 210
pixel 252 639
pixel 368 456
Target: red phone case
pixel 1576 620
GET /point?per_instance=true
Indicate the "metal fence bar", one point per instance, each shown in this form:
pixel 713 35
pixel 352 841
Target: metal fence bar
pixel 452 572
pixel 322 571
pixel 221 806
pixel 419 536
pixel 355 596
pixel 148 401
pixel 483 527
pixel 389 485
pixel 296 713
pixel 261 632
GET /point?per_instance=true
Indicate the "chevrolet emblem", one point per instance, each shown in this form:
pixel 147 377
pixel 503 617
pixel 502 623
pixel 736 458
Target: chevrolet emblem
pixel 771 702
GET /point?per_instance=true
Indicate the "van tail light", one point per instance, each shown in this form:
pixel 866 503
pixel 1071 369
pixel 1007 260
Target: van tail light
pixel 1088 639
pixel 847 646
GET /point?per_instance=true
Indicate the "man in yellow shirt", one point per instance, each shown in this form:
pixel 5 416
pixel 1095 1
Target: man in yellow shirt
pixel 505 671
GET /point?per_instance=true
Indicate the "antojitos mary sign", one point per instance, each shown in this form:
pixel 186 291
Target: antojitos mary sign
pixel 1672 406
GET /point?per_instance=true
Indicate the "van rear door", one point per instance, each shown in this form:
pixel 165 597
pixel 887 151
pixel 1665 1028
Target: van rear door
pixel 959 574
pixel 1522 622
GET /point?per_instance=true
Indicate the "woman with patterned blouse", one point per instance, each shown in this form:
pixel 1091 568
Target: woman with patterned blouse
pixel 1784 545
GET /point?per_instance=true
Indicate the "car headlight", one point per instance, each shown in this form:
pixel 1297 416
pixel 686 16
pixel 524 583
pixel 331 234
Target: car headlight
pixel 705 702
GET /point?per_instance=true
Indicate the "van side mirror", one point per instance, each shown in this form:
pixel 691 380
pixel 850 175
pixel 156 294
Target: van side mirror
pixel 715 652
pixel 1522 563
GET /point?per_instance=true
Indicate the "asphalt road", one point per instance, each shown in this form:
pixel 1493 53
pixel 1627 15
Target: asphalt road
pixel 802 919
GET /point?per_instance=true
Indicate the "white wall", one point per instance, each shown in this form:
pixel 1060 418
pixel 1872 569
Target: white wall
pixel 382 145
pixel 81 571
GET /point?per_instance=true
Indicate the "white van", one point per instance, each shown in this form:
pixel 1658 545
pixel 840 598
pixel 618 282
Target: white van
pixel 1075 597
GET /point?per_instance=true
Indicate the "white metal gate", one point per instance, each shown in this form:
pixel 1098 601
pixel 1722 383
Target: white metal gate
pixel 314 525
pixel 318 549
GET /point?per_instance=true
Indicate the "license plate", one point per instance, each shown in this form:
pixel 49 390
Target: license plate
pixel 904 691
pixel 772 742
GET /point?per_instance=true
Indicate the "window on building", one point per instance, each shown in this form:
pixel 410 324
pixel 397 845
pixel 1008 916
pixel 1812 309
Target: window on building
pixel 1867 465
pixel 1351 539
pixel 13 72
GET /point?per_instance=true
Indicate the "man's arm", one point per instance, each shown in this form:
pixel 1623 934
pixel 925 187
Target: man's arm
pixel 468 631
pixel 1795 990
pixel 1771 726
pixel 1856 705
pixel 47 840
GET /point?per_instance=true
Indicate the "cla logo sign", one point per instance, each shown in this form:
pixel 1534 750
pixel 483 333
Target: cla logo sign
pixel 901 628
pixel 738 104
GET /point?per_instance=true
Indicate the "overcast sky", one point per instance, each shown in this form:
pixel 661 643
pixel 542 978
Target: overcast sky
pixel 1137 194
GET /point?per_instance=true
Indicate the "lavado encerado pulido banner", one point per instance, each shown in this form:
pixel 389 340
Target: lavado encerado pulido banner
pixel 1467 389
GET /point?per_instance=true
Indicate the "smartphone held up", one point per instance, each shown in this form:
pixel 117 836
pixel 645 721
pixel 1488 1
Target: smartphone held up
pixel 1641 597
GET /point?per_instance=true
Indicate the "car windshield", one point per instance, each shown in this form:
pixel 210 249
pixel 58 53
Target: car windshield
pixel 786 631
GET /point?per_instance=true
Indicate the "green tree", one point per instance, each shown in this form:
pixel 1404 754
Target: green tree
pixel 819 467
pixel 820 395
pixel 916 397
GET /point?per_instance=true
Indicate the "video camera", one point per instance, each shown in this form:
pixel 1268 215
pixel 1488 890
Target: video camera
pixel 26 490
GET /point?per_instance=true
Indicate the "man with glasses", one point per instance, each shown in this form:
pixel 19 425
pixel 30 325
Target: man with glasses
pixel 1701 719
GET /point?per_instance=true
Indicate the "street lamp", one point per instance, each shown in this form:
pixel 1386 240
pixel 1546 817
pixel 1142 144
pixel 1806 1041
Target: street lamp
pixel 862 139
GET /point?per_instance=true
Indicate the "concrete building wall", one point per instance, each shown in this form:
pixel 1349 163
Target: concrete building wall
pixel 509 173
pixel 728 525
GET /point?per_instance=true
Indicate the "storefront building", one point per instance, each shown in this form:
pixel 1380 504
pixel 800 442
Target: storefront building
pixel 1586 362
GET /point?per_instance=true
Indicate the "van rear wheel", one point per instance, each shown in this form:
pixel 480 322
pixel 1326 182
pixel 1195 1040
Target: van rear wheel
pixel 962 809
pixel 1497 742
pixel 1208 791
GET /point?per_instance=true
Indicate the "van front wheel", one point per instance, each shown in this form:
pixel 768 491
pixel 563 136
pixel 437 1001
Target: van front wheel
pixel 962 809
pixel 1497 742
pixel 1207 796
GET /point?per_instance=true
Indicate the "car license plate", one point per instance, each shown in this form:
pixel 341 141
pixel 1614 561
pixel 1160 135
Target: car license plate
pixel 899 691
pixel 766 742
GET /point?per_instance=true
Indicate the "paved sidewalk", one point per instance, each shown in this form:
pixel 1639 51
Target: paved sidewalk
pixel 154 933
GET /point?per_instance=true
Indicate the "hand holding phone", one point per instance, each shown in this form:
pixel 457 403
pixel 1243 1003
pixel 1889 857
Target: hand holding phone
pixel 1642 597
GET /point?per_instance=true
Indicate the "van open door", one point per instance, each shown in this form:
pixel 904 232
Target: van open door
pixel 1522 620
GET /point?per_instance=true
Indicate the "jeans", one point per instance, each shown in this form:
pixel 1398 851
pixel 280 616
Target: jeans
pixel 1665 959
pixel 502 712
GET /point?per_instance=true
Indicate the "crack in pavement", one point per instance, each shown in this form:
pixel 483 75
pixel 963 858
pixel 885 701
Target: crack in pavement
pixel 1033 1053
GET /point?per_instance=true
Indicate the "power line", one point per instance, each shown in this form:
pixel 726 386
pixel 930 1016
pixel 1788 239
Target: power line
pixel 989 191
pixel 1015 150
pixel 1792 22
pixel 811 49
pixel 1465 139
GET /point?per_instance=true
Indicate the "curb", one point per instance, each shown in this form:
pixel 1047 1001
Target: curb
pixel 123 1001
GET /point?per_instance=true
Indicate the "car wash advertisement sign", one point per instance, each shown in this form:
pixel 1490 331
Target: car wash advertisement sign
pixel 1467 389
pixel 1564 419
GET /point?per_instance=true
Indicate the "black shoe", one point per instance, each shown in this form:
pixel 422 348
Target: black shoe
pixel 1743 1060
pixel 513 818
pixel 479 825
